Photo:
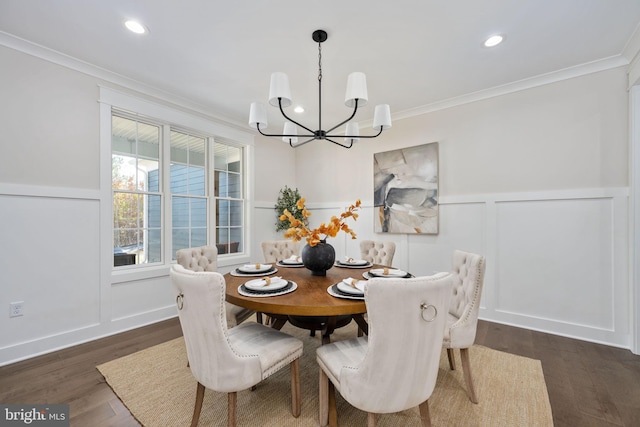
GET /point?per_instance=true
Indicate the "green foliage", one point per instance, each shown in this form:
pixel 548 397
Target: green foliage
pixel 287 200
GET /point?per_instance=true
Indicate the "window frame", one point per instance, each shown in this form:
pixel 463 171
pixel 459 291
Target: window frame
pixel 180 120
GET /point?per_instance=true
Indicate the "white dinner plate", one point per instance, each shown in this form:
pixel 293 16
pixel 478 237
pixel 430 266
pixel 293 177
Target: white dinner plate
pixel 354 262
pixel 379 272
pixel 253 268
pixel 348 289
pixel 259 284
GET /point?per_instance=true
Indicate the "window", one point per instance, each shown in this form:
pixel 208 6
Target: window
pixel 166 194
pixel 229 198
pixel 188 191
pixel 137 197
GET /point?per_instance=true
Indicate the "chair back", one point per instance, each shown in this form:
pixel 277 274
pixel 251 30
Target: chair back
pixel 377 252
pixel 200 297
pixel 468 278
pixel 277 250
pixel 202 258
pixel 406 325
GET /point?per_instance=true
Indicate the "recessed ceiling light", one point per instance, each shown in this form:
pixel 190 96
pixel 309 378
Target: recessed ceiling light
pixel 494 40
pixel 135 26
pixel 299 109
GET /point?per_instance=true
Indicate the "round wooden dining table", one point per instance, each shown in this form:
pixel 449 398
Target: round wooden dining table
pixel 310 299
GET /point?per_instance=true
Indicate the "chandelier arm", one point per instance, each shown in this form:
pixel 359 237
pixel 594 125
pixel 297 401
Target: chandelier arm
pixel 291 120
pixel 342 145
pixel 279 135
pixel 355 108
pixel 356 136
pixel 300 143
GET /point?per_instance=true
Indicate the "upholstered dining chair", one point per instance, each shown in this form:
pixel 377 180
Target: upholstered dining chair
pixel 228 360
pixel 377 252
pixel 277 250
pixel 205 258
pixel 395 368
pixel 462 318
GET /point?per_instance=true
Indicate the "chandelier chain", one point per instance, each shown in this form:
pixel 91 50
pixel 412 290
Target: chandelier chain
pixel 319 61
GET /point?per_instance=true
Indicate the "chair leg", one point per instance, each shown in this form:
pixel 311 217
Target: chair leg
pixel 371 419
pixel 333 411
pixel 466 367
pixel 295 387
pixel 424 414
pixel 323 399
pixel 452 359
pixel 198 406
pixel 259 317
pixel 232 399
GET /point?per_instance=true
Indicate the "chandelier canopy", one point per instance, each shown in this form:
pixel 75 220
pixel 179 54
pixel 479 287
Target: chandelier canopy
pixel 356 96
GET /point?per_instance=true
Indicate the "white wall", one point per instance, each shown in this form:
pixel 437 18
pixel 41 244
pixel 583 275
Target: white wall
pixel 535 180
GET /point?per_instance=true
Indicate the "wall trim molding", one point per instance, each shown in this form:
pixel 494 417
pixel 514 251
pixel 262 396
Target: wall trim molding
pixel 564 194
pixel 8 189
pixel 95 331
pixel 72 63
pixel 517 86
pixel 50 55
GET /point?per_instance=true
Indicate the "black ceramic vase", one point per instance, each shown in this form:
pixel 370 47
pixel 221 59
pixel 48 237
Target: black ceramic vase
pixel 318 258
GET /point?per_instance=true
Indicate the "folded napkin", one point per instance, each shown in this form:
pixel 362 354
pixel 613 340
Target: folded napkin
pixel 294 258
pixel 388 272
pixel 255 266
pixel 355 283
pixel 353 261
pixel 269 280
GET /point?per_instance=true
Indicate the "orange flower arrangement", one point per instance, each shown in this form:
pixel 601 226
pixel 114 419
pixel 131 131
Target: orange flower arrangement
pixel 299 229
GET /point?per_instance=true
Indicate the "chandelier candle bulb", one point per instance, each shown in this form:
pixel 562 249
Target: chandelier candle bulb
pixel 258 115
pixel 382 117
pixel 353 130
pixel 279 88
pixel 290 129
pixel 356 89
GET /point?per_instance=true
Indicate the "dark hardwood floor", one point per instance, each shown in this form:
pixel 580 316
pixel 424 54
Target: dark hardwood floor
pixel 589 384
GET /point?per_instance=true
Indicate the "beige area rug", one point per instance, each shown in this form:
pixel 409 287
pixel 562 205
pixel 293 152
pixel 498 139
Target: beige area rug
pixel 159 390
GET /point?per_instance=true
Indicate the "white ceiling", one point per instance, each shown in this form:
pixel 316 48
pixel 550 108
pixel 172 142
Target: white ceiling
pixel 415 53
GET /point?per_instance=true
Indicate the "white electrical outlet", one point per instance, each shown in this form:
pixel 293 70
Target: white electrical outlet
pixel 16 309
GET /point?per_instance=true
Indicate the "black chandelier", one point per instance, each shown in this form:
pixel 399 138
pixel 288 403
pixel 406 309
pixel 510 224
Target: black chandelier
pixel 356 96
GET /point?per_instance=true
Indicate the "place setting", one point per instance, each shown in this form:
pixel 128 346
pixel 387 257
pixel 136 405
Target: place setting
pixel 387 273
pixel 348 288
pixel 267 287
pixel 256 269
pixel 294 261
pixel 353 263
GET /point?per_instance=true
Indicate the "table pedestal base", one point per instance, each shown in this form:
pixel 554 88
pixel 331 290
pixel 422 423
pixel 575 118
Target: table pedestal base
pixel 326 324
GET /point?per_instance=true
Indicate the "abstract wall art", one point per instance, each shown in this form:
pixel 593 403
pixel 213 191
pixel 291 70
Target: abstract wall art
pixel 405 183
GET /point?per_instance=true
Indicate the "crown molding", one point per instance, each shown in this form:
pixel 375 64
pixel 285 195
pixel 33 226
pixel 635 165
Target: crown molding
pixel 632 53
pixel 631 50
pixel 64 60
pixel 517 86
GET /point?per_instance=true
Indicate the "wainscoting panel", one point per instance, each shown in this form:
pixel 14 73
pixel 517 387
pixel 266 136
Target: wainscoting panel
pixel 49 258
pixel 554 260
